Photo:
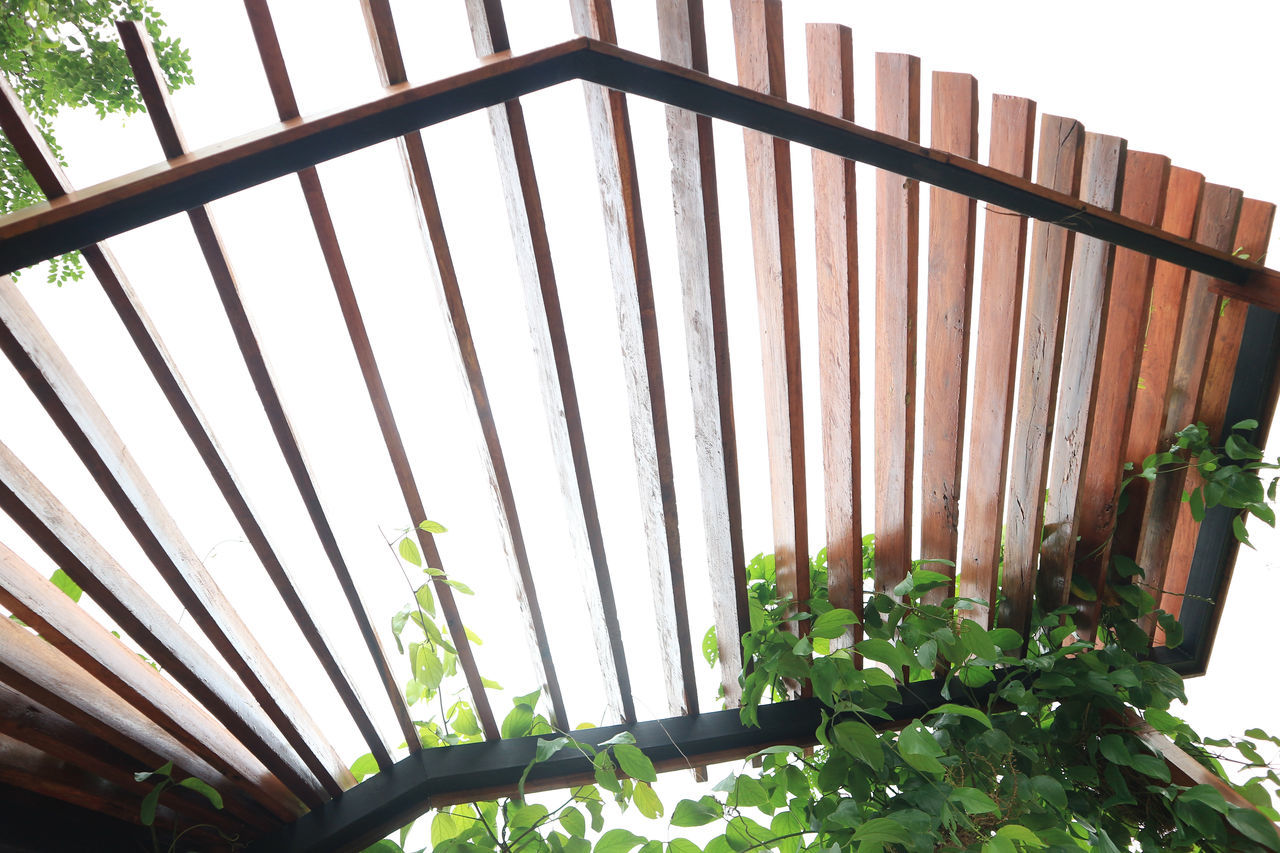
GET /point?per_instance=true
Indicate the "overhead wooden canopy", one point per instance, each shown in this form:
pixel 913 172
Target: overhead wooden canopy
pixel 1108 267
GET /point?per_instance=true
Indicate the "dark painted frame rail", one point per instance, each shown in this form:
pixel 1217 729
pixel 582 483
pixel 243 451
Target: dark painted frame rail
pixel 45 230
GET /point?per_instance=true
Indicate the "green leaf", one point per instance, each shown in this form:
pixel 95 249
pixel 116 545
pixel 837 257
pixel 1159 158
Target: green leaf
pixel 698 812
pixel 682 845
pixel 458 585
pixel 147 812
pixel 433 527
pixel 365 765
pixel 464 721
pixel 1022 835
pixel 747 792
pixel 962 710
pixel 1206 795
pixel 444 827
pixel 976 640
pixel 647 801
pixel 1244 425
pixel 1050 790
pixel 518 722
pixel 204 789
pixel 60 579
pixel 618 841
pixel 427 668
pixel 1242 535
pixel 1114 750
pixel 634 763
pixel 831 624
pixel 1255 827
pixel 573 822
pixel 425 599
pixel 919 749
pixel 163 770
pixel 860 741
pixel 886 652
pixel 882 830
pixel 383 845
pixel 973 801
pixel 1151 766
pixel 710 647
pixel 409 552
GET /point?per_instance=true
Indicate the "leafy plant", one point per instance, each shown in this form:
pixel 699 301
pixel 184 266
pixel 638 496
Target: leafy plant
pixel 164 780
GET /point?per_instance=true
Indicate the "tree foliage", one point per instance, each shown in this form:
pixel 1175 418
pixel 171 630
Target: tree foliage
pixel 65 53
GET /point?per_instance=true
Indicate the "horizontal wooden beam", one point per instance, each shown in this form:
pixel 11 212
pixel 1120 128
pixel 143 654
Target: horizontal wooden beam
pixel 45 230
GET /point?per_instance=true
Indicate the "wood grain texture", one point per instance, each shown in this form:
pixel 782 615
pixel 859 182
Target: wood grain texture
pixel 1215 226
pixel 830 51
pixel 695 196
pixel 1058 167
pixel 610 128
pixel 952 238
pixel 897 273
pixel 1252 238
pixel 1146 181
pixel 155 94
pixel 53 527
pixel 758 46
pixel 71 630
pixel 1088 294
pixel 551 353
pixel 83 423
pixel 1004 254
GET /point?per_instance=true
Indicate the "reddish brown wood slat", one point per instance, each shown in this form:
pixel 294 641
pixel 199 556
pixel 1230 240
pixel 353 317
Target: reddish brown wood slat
pixel 156 96
pixel 682 40
pixel 85 426
pixel 1252 238
pixel 1215 226
pixel 386 45
pixel 610 128
pixel 52 526
pixel 897 274
pixel 952 239
pixel 1058 167
pixel 1004 254
pixel 1088 293
pixel 758 45
pixel 830 50
pixel 1146 181
pixel 71 630
pixel 551 349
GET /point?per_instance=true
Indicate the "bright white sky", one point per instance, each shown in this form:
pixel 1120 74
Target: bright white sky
pixel 1181 79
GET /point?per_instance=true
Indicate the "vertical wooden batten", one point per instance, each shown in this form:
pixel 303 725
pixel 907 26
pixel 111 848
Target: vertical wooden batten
pixel 610 128
pixel 830 53
pixel 551 353
pixel 387 55
pixel 897 282
pixel 1004 253
pixel 952 237
pixel 1058 168
pixel 682 40
pixel 1088 293
pixel 155 94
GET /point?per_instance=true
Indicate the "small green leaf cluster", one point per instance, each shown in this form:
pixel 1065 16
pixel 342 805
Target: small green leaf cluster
pixel 164 779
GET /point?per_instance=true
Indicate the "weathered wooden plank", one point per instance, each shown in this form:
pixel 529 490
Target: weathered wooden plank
pixel 82 422
pixel 610 128
pixel 830 51
pixel 1004 254
pixel 1146 181
pixel 682 40
pixel 1088 294
pixel 1058 167
pixel 758 45
pixel 897 274
pixel 1215 226
pixel 551 353
pixel 1252 238
pixel 952 238
pixel 146 338
pixel 386 48
pixel 36 669
pixel 71 630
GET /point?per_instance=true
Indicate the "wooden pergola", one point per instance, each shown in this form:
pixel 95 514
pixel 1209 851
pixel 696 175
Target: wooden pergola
pixel 1120 262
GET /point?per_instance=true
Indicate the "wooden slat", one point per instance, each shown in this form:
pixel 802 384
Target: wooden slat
pixel 36 669
pixel 1088 293
pixel 1252 238
pixel 1146 181
pixel 154 192
pixel 897 274
pixel 952 238
pixel 318 209
pixel 610 128
pixel 758 44
pixel 1004 254
pixel 1215 226
pixel 830 51
pixel 551 353
pixel 413 155
pixel 682 40
pixel 147 340
pixel 1058 168
pixel 49 523
pixel 71 630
